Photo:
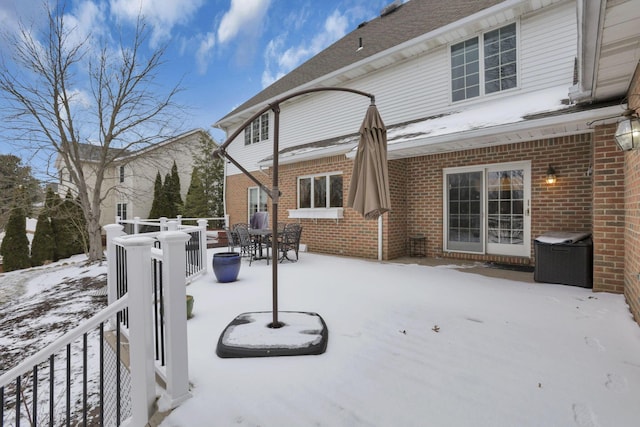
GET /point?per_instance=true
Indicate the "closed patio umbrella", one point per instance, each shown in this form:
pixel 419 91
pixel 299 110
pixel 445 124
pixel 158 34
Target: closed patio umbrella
pixel 369 187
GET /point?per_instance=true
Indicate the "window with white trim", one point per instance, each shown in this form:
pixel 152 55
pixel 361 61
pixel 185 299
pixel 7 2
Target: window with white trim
pixel 487 67
pixel 257 130
pixel 121 210
pixel 257 201
pixel 320 191
pixel 121 174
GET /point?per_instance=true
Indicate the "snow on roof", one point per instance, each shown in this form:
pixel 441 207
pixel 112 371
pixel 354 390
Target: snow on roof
pixel 327 147
pixel 496 112
pixel 486 114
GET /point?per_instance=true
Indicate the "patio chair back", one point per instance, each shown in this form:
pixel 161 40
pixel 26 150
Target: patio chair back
pixel 239 224
pixel 290 240
pixel 244 239
pixel 260 220
pixel 232 239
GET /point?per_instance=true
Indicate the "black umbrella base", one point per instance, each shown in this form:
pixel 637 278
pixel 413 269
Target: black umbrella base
pixel 254 335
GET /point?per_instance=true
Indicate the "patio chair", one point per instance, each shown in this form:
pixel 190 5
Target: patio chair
pixel 241 231
pixel 290 241
pixel 232 239
pixel 239 224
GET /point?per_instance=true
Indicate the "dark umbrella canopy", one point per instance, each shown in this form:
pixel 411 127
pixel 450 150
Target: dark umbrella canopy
pixel 369 187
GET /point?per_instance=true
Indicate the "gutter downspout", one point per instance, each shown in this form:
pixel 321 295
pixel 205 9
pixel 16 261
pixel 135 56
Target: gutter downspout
pixel 590 19
pixel 224 184
pixel 380 238
pixel 224 193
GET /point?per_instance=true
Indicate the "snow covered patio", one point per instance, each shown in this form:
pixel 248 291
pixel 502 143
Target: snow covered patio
pixel 414 345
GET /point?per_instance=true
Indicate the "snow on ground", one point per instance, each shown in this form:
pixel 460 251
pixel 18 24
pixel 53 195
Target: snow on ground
pixel 414 345
pixel 409 345
pixel 39 305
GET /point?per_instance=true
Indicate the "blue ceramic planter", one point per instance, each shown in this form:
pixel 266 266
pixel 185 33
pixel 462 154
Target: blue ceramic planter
pixel 226 266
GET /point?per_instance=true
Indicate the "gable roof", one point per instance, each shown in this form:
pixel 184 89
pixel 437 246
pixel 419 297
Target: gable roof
pixel 93 153
pixel 407 21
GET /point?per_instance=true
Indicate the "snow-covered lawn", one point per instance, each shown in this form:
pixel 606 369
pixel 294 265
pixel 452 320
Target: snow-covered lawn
pixel 409 345
pixel 39 305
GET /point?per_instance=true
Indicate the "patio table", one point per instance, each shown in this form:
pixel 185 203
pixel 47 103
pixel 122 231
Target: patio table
pixel 261 236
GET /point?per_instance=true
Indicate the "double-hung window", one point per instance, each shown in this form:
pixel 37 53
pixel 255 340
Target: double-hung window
pixel 257 130
pixel 484 65
pixel 121 210
pixel 320 191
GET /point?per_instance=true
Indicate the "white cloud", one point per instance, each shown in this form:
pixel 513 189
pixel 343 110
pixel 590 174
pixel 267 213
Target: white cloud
pixel 86 19
pixel 244 16
pixel 205 51
pixel 81 98
pixel 271 54
pixel 297 19
pixel 8 19
pixel 162 15
pixel 279 62
pixel 15 14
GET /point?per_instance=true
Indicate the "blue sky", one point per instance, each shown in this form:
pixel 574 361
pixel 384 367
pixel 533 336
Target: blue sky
pixel 224 51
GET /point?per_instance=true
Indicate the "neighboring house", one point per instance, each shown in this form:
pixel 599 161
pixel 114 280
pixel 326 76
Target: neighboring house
pixel 128 187
pixel 480 99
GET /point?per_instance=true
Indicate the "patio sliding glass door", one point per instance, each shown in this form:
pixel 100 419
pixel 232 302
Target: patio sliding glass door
pixel 257 201
pixel 487 209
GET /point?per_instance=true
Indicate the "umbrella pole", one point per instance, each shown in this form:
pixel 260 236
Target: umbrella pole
pixel 275 191
pixel 275 196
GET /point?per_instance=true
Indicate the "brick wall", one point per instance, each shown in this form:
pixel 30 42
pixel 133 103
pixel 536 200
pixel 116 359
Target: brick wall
pixel 395 222
pixel 350 236
pixel 632 217
pixel 416 193
pixel 608 212
pixel 237 198
pixel 565 205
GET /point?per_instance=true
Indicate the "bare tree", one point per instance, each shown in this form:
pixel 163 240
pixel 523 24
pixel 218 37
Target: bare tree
pixel 82 98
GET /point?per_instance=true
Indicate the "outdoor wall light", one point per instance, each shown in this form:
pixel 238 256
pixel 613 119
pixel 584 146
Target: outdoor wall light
pixel 551 175
pixel 628 132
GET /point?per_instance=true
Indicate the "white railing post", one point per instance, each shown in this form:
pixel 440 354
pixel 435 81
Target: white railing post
pixel 171 226
pixel 136 225
pixel 226 221
pixel 113 231
pixel 175 315
pixel 179 220
pixel 163 223
pixel 143 380
pixel 202 224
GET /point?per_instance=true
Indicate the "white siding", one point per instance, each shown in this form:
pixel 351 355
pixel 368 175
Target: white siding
pixel 420 87
pixel 140 175
pixel 548 48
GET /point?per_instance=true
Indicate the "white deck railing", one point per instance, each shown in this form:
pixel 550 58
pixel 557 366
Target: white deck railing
pixel 147 290
pixel 195 247
pixel 27 397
